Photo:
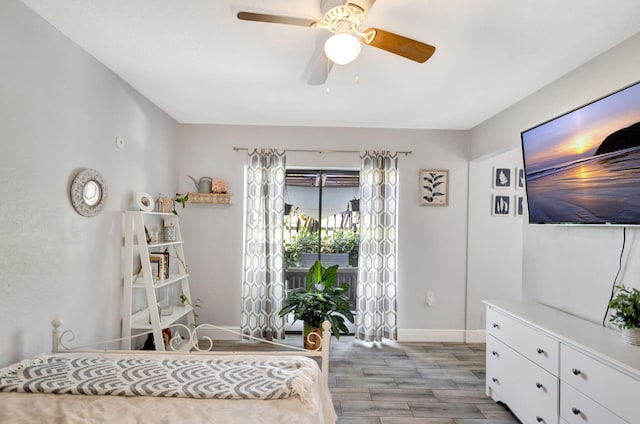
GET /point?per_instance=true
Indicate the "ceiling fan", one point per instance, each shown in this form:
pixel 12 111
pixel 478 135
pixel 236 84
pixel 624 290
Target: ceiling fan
pixel 344 22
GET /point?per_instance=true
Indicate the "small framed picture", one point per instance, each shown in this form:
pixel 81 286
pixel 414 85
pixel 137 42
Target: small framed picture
pixel 433 186
pixel 502 177
pixel 519 178
pixel 501 205
pixel 518 205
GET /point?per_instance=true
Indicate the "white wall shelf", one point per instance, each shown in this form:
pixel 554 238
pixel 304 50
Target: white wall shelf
pixel 213 198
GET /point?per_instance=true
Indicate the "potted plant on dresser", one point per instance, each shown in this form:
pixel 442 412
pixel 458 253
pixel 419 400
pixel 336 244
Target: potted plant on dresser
pixel 320 300
pixel 626 315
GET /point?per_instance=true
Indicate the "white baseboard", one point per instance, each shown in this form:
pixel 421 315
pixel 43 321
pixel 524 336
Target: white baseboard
pixel 461 336
pixel 476 336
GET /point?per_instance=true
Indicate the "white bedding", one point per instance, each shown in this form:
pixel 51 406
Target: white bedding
pixel 72 409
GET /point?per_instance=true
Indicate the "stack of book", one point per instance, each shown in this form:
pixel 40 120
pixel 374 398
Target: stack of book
pixel 159 265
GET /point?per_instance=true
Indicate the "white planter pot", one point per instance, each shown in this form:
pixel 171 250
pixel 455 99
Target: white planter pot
pixel 631 336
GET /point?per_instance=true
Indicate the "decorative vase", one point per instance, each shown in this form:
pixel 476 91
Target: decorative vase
pixel 631 335
pixel 312 338
pixel 169 233
pixel 165 204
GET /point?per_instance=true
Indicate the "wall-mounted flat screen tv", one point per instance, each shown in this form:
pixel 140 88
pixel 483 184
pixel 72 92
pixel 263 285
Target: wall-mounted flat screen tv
pixel 583 167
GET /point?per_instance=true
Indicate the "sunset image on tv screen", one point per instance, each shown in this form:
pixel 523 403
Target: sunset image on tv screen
pixel 584 166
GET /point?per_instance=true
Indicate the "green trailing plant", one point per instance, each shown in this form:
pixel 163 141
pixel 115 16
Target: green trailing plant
pixel 626 306
pixel 194 306
pixel 179 198
pixel 322 299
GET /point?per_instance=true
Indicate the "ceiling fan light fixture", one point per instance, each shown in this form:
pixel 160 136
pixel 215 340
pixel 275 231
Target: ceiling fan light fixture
pixel 342 48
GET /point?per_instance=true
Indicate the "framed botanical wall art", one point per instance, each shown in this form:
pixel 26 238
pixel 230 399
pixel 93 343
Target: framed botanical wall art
pixel 502 177
pixel 519 178
pixel 518 205
pixel 433 186
pixel 501 205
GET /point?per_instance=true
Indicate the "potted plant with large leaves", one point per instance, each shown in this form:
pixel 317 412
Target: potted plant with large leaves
pixel 626 316
pixel 322 299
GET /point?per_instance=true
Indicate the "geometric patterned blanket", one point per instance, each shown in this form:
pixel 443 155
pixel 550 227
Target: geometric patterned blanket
pixel 220 378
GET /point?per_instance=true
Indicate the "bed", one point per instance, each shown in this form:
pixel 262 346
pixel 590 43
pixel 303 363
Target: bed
pixel 202 386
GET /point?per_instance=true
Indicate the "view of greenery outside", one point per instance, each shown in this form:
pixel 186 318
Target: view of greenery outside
pixel 337 231
pixel 301 236
pixel 341 241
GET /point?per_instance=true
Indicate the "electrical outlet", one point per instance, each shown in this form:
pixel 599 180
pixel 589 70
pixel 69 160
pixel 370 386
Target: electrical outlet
pixel 430 298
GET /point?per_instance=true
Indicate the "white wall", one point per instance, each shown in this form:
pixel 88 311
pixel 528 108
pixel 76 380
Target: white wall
pixel 569 268
pixel 432 240
pixel 494 266
pixel 61 110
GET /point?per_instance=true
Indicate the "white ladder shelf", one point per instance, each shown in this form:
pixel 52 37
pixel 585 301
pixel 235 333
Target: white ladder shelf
pixel 136 251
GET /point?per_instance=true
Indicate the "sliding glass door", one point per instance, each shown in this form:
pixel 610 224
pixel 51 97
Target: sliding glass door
pixel 321 222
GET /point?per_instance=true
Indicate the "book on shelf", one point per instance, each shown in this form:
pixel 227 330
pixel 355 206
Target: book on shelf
pixel 157 273
pixel 165 263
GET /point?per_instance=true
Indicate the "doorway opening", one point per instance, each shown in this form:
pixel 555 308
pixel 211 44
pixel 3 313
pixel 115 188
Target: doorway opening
pixel 322 221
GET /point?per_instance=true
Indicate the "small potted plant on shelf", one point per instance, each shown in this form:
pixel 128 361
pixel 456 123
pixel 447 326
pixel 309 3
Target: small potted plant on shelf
pixel 626 315
pixel 320 300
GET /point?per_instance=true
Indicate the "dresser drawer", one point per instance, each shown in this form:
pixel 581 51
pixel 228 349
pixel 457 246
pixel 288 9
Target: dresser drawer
pixel 497 370
pixel 609 387
pixel 576 408
pixel 530 391
pixel 533 344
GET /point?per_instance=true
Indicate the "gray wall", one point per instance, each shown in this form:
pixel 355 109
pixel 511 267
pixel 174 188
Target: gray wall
pixel 432 240
pixel 494 269
pixel 566 267
pixel 61 110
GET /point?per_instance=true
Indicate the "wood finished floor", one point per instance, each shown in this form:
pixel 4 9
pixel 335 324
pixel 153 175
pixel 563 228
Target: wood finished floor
pixel 408 383
pixel 411 383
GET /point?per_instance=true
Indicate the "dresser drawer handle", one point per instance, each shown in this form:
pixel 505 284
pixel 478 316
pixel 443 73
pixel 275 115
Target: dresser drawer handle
pixel 539 385
pixel 494 353
pixel 539 419
pixel 496 325
pixel 576 371
pixel 575 411
pixel 495 380
pixel 540 351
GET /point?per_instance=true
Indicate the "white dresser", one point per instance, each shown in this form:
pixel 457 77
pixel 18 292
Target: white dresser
pixel 551 367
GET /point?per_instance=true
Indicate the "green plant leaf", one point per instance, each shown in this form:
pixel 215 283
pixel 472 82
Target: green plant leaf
pixel 626 308
pixel 320 300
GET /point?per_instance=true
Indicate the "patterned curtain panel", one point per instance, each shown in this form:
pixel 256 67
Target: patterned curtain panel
pixel 263 279
pixel 376 301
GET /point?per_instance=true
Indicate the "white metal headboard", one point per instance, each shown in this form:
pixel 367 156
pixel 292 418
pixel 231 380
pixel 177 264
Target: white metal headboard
pixel 191 344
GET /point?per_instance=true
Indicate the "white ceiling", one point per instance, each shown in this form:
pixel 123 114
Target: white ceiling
pixel 200 64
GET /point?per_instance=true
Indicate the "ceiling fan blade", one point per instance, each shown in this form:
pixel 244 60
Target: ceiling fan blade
pixel 275 19
pixel 397 44
pixel 320 69
pixel 317 71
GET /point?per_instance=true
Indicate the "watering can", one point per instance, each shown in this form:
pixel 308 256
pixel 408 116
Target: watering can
pixel 203 185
